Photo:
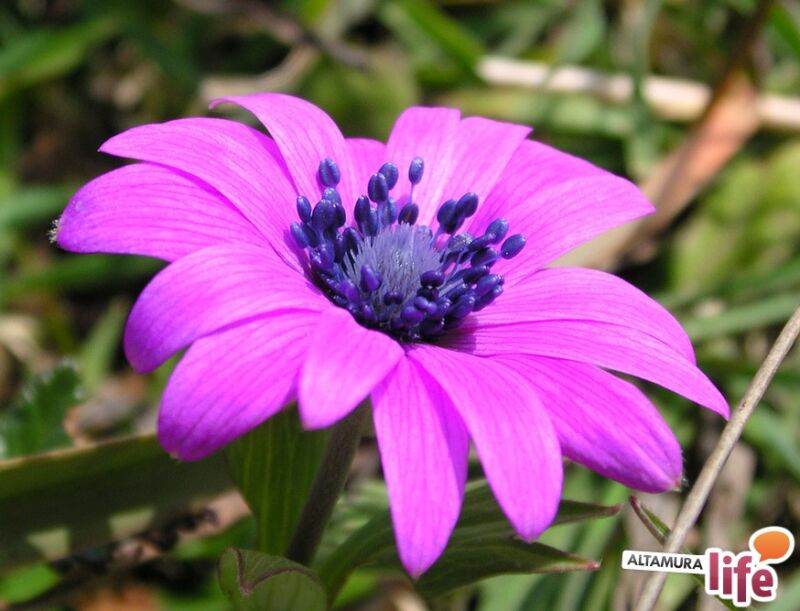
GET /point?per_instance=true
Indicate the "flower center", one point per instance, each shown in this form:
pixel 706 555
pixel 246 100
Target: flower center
pixel 391 274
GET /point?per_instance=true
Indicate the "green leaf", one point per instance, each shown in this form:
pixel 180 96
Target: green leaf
pixel 33 205
pixel 57 503
pixel 274 466
pixel 365 100
pixel 593 539
pixel 98 351
pixel 33 423
pixel 741 318
pixel 444 32
pixel 751 216
pixel 46 53
pixel 482 557
pixel 26 583
pixel 482 544
pixel 748 286
pixel 775 438
pixel 785 19
pixel 86 272
pixel 258 582
pixel 516 26
pixel 583 32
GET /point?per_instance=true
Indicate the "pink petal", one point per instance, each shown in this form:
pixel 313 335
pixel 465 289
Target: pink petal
pixel 482 150
pixel 424 447
pixel 305 136
pixel 230 382
pixel 589 295
pixel 146 209
pixel 611 346
pixel 236 160
pixel 208 290
pixel 367 156
pixel 345 362
pixel 429 133
pixel 512 432
pixel 557 202
pixel 605 423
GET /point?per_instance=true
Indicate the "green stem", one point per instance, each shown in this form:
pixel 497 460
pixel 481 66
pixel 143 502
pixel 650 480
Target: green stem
pixel 328 485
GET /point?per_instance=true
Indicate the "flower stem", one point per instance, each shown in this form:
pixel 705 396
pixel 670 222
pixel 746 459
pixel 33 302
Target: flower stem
pixel 328 485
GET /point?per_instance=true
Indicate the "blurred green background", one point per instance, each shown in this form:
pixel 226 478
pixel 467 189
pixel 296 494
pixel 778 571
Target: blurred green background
pixel 716 146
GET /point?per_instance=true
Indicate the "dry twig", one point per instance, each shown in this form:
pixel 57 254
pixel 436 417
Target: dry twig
pixel 727 441
pixel 668 98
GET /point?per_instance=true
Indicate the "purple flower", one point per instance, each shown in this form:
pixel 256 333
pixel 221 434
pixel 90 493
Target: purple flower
pixel 321 269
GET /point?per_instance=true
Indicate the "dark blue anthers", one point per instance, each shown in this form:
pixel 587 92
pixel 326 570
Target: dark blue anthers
pixel 391 274
pixel 415 170
pixel 329 174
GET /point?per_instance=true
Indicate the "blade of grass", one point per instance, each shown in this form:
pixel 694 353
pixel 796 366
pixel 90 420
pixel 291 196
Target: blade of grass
pixel 60 502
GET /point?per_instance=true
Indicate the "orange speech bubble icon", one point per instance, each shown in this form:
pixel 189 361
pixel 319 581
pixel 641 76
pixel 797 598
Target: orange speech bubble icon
pixel 773 544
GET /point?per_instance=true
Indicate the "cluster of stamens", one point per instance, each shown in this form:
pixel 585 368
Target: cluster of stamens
pixel 391 274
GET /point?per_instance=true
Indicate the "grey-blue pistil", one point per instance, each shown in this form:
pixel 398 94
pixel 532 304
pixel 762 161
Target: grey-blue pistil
pixel 391 274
